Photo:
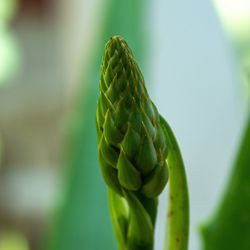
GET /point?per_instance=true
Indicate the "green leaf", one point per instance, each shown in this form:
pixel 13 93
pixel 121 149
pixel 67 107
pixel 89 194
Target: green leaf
pixel 229 228
pixel 129 177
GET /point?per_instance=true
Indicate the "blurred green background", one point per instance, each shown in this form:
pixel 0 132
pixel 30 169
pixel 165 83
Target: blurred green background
pixel 195 57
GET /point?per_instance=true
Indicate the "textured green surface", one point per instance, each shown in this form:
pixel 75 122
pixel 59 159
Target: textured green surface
pixel 84 220
pixel 229 228
pixel 177 225
pixel 132 147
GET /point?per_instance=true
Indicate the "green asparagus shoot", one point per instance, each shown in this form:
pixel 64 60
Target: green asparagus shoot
pixel 133 148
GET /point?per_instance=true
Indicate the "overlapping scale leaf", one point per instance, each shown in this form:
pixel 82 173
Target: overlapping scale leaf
pixel 131 141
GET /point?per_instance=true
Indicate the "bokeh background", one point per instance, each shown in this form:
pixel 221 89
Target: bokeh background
pixel 193 55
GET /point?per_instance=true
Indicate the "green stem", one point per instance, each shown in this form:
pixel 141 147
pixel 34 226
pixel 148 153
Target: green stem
pixel 119 216
pixel 132 223
pixel 178 208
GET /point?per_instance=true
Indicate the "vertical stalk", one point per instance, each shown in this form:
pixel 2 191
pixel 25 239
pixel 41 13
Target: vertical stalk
pixel 178 209
pixel 119 216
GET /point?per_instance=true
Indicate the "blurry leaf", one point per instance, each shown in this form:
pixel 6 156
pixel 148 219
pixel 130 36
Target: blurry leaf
pixel 7 10
pixel 11 240
pixel 235 19
pixel 84 221
pixel 229 228
pixel 235 16
pixel 9 59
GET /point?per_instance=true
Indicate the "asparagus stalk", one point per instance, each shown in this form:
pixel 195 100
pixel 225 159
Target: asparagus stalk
pixel 132 147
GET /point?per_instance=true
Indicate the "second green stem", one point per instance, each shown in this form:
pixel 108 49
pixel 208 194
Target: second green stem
pixel 178 209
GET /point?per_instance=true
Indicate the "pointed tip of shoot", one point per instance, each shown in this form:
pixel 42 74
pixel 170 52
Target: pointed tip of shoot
pixel 118 56
pixel 115 46
pixel 116 42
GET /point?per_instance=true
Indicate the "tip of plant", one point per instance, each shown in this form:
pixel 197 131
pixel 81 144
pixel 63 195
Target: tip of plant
pixel 116 42
pixel 117 47
pixel 116 38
